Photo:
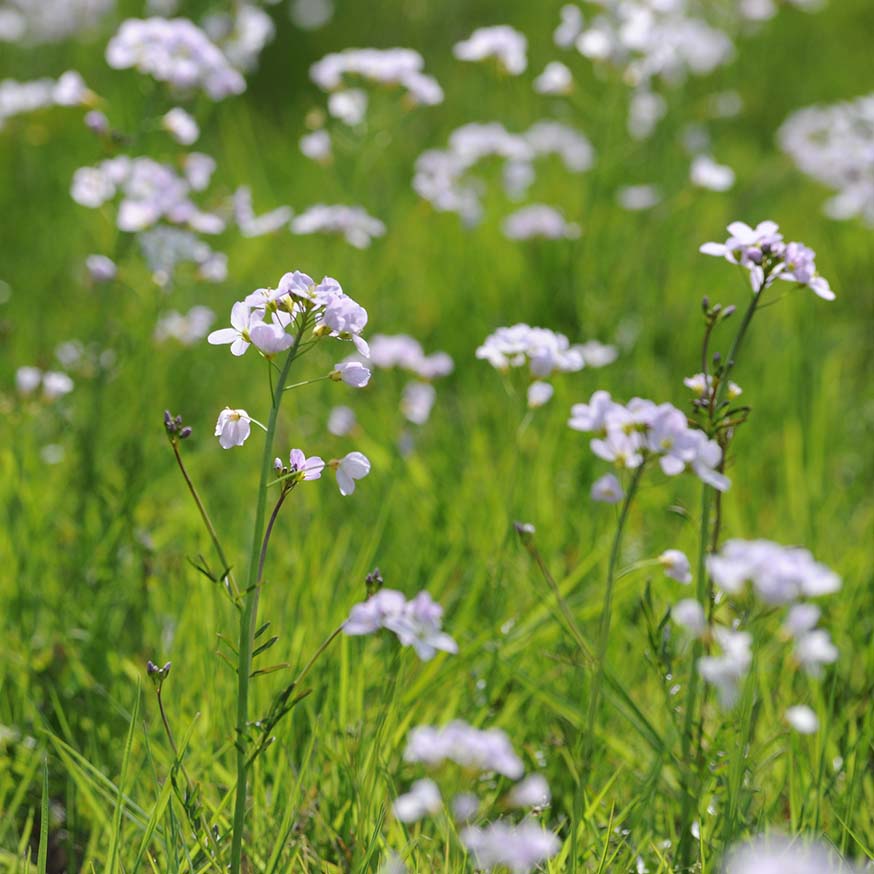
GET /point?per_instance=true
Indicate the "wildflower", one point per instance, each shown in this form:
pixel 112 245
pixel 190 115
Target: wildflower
pixel 175 51
pixel 422 799
pixel 198 170
pixel 538 221
pixel 502 42
pixel 56 384
pixel 676 565
pixel 100 268
pixel 533 791
pixel 543 350
pixel 243 318
pixel 352 222
pixel 814 649
pixel 555 79
pixel 703 385
pixel 570 27
pixel 597 354
pixel 465 806
pixel 188 328
pixel 689 614
pixel 232 427
pixel 706 173
pixel 316 145
pixel 301 467
pixel 417 401
pixel 349 106
pixel 802 719
pixel 251 225
pixel 28 379
pixel 521 848
pixel 181 126
pixel 774 854
pixel 607 489
pixel 472 748
pixel 415 623
pixel 341 421
pixel 636 198
pixel 97 122
pixel 353 466
pixel 353 373
pixel 591 416
pixel 726 671
pixel 269 338
pixel 539 393
pixel 779 574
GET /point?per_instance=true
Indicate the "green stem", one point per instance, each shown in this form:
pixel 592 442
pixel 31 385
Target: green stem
pixel 249 615
pixel 606 614
pixel 705 598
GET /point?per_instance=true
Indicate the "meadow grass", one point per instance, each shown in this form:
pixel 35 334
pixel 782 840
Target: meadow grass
pixel 95 550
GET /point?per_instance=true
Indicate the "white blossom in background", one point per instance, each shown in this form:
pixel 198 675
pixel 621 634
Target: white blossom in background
pixel 100 268
pixel 242 34
pixel 775 854
pixel 185 328
pixel 706 173
pixel 597 354
pixel 316 146
pixel 341 421
pixel 252 225
pixel 349 106
pixel 778 574
pixel 198 169
pixel 539 393
pixel 388 67
pixel 479 749
pixel 532 791
pixel 676 565
pixel 726 671
pixel 417 622
pixel 520 848
pixel 503 43
pixel 46 21
pixel 607 490
pixel 165 248
pixel 556 78
pixel 570 26
pixel 417 401
pixel 539 221
pixel 175 51
pixel 422 799
pixel 19 98
pixel 645 110
pixel 636 198
pixel 689 615
pixel 834 144
pixel 310 14
pixel 353 223
pixel 406 353
pixel 28 379
pixel 802 719
pixel 544 352
pixel 181 126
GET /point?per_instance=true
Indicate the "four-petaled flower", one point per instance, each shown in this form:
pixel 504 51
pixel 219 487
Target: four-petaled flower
pixel 232 427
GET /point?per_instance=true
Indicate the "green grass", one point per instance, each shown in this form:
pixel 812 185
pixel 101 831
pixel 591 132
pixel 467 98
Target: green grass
pixel 94 551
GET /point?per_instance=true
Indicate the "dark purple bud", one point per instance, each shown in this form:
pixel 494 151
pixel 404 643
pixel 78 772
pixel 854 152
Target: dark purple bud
pixel 185 433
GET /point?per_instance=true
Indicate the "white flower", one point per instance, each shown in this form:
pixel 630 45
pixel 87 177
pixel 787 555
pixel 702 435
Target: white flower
pixel 774 854
pixel 232 427
pixel 802 719
pixel 353 466
pixel 555 79
pixel 676 565
pixel 100 268
pixel 353 373
pixel 706 173
pixel 181 126
pixel 422 799
pixel 472 748
pixel 341 421
pixel 269 338
pixel 521 848
pixel 243 318
pixel 726 671
pixel 28 379
pixel 539 393
pixel 56 384
pixel 689 614
pixel 502 42
pixel 304 468
pixel 316 145
pixel 607 489
pixel 417 401
pixel 533 791
pixel 348 106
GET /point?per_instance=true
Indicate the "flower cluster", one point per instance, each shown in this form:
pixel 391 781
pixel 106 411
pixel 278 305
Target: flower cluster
pixel 544 351
pixel 175 51
pixel 17 98
pixel 54 383
pixel 151 191
pixel 164 248
pixel 762 251
pixel 263 317
pixel 186 328
pixel 834 144
pixel 775 854
pixel 416 623
pixel 538 221
pixel 22 21
pixel 402 67
pixel 442 175
pixel 352 222
pixel 628 435
pixel 518 846
pixel 502 42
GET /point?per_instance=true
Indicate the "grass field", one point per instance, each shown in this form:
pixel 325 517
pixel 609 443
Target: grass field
pixel 99 531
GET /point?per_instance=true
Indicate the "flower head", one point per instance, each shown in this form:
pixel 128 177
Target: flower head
pixel 352 466
pixel 232 427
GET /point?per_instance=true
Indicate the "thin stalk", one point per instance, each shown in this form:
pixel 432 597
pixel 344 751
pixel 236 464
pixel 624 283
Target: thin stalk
pixel 607 610
pixel 249 615
pixel 705 598
pixel 268 531
pixel 228 577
